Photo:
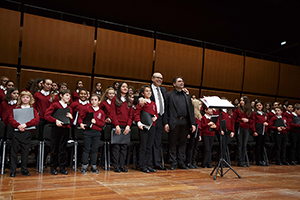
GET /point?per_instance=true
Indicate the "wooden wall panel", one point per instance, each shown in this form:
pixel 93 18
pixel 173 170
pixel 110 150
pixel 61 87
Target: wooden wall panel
pixel 58 77
pixel 261 76
pixel 107 82
pixel 229 95
pixel 291 100
pixel 289 81
pixel 123 55
pixel 263 99
pixel 173 59
pixel 223 70
pixel 10 73
pixel 53 44
pixel 9 36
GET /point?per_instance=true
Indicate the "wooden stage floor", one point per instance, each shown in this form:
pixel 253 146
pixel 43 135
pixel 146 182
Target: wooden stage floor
pixel 273 182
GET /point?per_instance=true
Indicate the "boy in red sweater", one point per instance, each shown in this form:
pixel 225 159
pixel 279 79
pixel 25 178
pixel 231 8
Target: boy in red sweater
pixel 280 136
pixel 295 134
pixel 146 136
pixel 59 134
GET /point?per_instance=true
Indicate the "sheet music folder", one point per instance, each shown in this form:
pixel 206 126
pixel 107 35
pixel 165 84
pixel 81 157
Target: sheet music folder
pixel 146 119
pixel 24 115
pixel 296 120
pixel 61 115
pixel 88 120
pixel 260 129
pixel 120 139
pixel 279 122
pixel 216 102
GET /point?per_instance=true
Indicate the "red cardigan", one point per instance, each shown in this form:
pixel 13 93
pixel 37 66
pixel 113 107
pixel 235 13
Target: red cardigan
pixel 5 111
pixel 75 96
pixel 42 103
pixel 121 115
pixel 257 119
pixel 294 128
pixel 149 108
pixel 237 116
pixel 51 109
pixel 33 122
pixel 272 127
pixel 106 108
pixel 205 128
pixel 99 116
pixel 228 119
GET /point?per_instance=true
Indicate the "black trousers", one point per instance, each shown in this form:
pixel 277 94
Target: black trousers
pixel 295 146
pixel 242 140
pixel 20 140
pixel 177 143
pixel 146 144
pixel 59 139
pixel 119 153
pixel 157 146
pixel 280 146
pixel 208 142
pixel 91 141
pixel 259 147
pixel 191 149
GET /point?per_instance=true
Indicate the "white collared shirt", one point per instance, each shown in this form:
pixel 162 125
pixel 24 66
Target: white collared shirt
pixel 45 93
pixel 123 99
pixel 108 101
pixel 224 110
pixel 207 117
pixel 148 100
pixel 28 106
pixel 2 87
pixel 288 112
pixel 273 111
pixel 83 102
pixel 12 102
pixel 260 112
pixel 95 109
pixel 64 105
pixel 278 117
pixel 155 93
pixel 294 114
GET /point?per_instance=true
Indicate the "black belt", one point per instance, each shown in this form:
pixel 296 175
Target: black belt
pixel 182 117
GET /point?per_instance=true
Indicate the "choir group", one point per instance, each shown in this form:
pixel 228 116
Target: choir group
pixel 184 118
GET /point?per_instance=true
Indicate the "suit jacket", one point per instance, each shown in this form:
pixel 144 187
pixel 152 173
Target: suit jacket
pixel 171 114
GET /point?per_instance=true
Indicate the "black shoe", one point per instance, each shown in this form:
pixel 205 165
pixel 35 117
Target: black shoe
pixel 203 166
pixel 145 170
pixel 190 166
pixel 123 169
pixel 172 167
pixel 83 170
pixel 242 165
pixel 260 163
pixel 117 169
pixel 293 163
pixel 54 172
pixel 160 167
pixel 63 171
pixel 195 166
pixel 209 166
pixel 25 173
pixel 12 174
pixel 95 170
pixel 278 163
pixel 151 169
pixel 182 166
pixel 285 163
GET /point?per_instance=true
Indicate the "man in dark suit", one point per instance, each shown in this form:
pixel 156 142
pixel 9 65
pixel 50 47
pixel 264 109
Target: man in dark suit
pixel 180 119
pixel 159 97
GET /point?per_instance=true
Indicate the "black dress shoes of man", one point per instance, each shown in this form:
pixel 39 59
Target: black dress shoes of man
pixel 117 169
pixel 172 167
pixel 190 166
pixel 160 167
pixel 12 174
pixel 293 163
pixel 285 163
pixel 63 171
pixel 182 166
pixel 54 172
pixel 25 173
pixel 195 166
pixel 123 169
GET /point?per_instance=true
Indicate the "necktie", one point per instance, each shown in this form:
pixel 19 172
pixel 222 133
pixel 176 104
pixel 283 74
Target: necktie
pixel 161 111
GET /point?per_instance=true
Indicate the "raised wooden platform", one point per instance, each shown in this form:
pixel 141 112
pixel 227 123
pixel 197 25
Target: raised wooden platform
pixel 273 182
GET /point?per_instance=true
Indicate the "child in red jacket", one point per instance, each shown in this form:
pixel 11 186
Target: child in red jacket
pixel 91 135
pixel 22 135
pixel 59 133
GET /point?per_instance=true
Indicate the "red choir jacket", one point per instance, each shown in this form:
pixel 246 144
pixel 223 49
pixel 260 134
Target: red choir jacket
pixel 35 121
pixel 294 128
pixel 51 109
pixel 99 116
pixel 205 128
pixel 237 116
pixel 121 115
pixel 5 111
pixel 257 119
pixel 106 107
pixel 149 108
pixel 42 103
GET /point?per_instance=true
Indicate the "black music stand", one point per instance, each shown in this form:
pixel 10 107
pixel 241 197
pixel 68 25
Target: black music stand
pixel 219 168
